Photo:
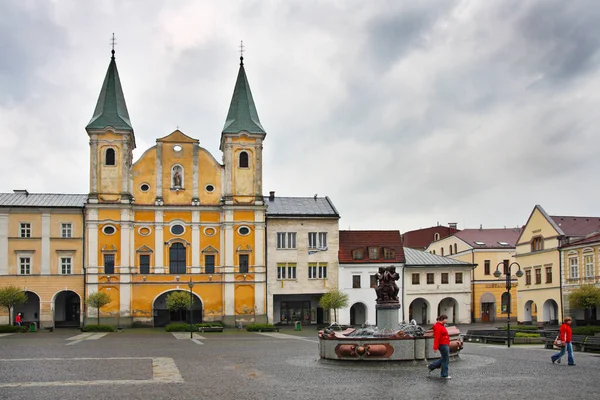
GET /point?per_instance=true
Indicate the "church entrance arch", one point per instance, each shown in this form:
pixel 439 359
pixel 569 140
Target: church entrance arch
pixel 163 316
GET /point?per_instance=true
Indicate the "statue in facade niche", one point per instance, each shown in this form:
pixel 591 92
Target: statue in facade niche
pixel 176 179
pixel 387 289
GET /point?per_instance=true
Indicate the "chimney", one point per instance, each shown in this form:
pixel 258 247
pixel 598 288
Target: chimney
pixel 271 195
pixel 21 191
pixel 480 226
pixel 452 225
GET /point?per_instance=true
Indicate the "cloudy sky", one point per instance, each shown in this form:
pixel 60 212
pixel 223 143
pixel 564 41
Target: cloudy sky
pixel 404 113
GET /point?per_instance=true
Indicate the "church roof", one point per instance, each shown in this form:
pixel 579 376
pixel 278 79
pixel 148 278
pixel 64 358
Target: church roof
pixel 242 115
pixel 111 109
pixel 22 198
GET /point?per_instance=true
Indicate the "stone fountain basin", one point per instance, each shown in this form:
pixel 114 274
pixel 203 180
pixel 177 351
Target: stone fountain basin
pixel 339 346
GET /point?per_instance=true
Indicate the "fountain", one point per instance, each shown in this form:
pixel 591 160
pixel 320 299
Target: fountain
pixel 388 341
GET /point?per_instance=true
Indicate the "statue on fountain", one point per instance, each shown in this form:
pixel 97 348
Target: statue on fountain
pixel 387 289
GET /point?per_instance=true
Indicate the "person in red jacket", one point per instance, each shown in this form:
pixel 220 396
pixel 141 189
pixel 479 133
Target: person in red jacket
pixel 566 336
pixel 441 342
pixel 18 319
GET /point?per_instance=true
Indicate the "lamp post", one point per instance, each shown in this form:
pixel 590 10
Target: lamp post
pixel 507 273
pixel 191 286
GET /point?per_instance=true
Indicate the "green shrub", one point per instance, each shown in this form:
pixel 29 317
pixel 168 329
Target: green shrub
pixel 588 330
pixel 260 327
pixel 527 335
pixel 11 329
pixel 521 328
pixel 208 325
pixel 179 327
pixel 98 328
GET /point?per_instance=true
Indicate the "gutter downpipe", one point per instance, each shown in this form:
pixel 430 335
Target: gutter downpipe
pixel 473 286
pixel 84 268
pixel 560 270
pixel 266 273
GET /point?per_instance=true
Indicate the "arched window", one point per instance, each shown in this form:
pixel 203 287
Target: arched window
pixel 109 158
pixel 450 249
pixel 177 259
pixel 454 248
pixel 436 237
pixel 243 159
pixel 442 250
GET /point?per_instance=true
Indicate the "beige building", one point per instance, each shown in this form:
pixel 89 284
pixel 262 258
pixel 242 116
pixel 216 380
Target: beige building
pixel 538 252
pixel 487 249
pixel 580 259
pixel 41 251
pixel 302 262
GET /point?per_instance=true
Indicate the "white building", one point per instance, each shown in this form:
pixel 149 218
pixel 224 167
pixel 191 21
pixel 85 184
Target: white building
pixel 361 255
pixel 302 257
pixel 435 285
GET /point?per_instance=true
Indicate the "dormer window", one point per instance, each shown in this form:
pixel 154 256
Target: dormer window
pixel 243 160
pixel 357 254
pixel 389 254
pixel 110 157
pixel 436 237
pixel 373 253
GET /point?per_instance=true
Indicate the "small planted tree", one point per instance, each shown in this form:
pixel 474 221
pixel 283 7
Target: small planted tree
pixel 586 297
pixel 178 301
pixel 333 300
pixel 11 296
pixel 98 300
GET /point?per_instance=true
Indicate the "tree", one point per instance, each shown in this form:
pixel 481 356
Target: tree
pixel 98 300
pixel 11 296
pixel 178 301
pixel 333 300
pixel 586 297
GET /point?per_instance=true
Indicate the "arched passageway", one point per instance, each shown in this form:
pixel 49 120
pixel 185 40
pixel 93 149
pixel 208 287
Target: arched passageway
pixel 162 316
pixel 67 309
pixel 419 311
pixel 358 314
pixel 30 311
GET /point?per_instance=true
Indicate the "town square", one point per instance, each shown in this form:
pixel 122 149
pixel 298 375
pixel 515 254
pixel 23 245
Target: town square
pixel 290 199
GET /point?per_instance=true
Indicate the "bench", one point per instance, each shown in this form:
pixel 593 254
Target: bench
pixel 489 336
pixel 591 343
pixel 578 341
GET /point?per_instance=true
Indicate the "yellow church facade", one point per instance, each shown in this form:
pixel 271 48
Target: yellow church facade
pixel 176 219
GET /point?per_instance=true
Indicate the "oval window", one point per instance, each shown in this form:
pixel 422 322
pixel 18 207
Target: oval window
pixel 177 229
pixel 144 231
pixel 177 148
pixel 209 188
pixel 144 187
pixel 210 231
pixel 243 230
pixel 109 230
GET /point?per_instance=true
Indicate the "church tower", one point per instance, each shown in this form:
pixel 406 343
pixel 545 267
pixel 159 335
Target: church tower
pixel 111 143
pixel 241 143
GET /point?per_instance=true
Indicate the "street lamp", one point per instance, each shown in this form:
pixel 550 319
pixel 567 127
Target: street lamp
pixel 191 286
pixel 507 273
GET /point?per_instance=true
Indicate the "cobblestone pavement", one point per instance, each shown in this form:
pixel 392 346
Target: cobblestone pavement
pixel 241 365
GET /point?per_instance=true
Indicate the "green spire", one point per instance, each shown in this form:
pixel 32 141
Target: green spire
pixel 242 115
pixel 111 109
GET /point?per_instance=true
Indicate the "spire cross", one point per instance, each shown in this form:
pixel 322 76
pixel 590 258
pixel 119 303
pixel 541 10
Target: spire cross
pixel 113 41
pixel 241 52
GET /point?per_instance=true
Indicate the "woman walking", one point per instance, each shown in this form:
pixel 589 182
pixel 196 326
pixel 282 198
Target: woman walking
pixel 566 336
pixel 441 342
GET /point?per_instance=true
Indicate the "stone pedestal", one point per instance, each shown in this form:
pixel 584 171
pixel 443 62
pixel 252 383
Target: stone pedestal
pixel 387 315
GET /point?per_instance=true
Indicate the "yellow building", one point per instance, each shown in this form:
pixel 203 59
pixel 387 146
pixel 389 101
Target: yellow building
pixel 488 249
pixel 539 254
pixel 176 217
pixel 41 242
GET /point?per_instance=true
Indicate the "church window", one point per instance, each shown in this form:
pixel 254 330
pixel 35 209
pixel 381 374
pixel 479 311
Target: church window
pixel 144 187
pixel 244 230
pixel 109 230
pixel 244 263
pixel 243 159
pixel 109 263
pixel 144 263
pixel 177 148
pixel 110 157
pixel 177 229
pixel 144 231
pixel 209 188
pixel 177 259
pixel 210 231
pixel 209 263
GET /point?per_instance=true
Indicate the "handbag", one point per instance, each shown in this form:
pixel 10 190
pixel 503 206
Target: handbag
pixel 557 342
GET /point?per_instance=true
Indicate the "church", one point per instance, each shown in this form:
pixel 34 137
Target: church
pixel 176 219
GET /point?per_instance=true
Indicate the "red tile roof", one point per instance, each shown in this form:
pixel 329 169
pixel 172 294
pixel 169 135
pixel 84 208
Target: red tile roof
pixel 352 240
pixel 421 238
pixel 577 226
pixel 491 238
pixel 591 238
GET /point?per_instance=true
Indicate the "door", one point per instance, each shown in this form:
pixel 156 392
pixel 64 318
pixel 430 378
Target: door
pixel 486 310
pixel 72 313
